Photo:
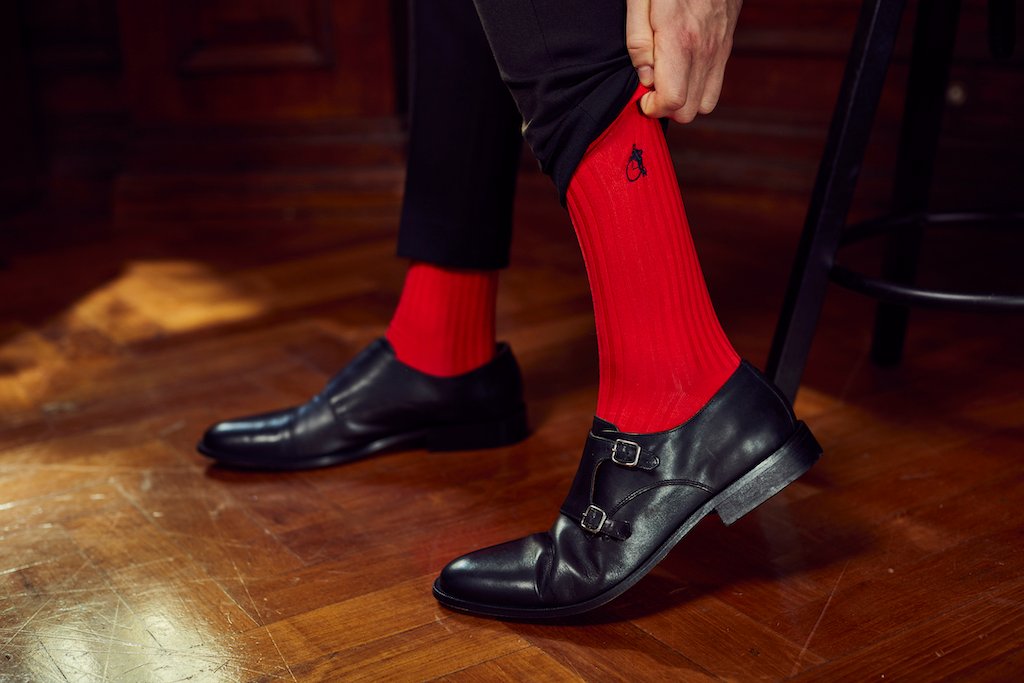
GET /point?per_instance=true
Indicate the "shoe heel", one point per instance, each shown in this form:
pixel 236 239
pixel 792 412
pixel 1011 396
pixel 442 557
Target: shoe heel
pixel 508 430
pixel 772 475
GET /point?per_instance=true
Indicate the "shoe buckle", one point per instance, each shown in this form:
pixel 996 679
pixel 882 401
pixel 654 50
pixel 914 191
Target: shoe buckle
pixel 626 453
pixel 593 519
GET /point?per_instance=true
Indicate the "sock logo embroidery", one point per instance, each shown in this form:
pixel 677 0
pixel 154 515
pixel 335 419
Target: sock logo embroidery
pixel 635 168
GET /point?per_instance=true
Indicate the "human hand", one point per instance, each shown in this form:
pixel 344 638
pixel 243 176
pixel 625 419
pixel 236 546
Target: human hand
pixel 680 47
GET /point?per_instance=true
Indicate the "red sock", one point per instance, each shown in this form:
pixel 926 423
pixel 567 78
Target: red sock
pixel 444 323
pixel 662 351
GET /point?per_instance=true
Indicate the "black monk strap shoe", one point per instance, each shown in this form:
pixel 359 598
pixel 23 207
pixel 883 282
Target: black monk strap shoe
pixel 633 498
pixel 377 403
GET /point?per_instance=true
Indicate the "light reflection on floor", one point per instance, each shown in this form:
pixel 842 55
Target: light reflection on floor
pixel 102 607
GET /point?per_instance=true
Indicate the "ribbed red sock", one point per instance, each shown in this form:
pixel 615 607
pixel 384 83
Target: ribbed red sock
pixel 662 351
pixel 444 322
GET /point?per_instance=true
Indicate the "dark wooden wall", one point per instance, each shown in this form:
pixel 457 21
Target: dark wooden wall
pixel 781 84
pixel 242 61
pixel 73 58
pixel 19 160
pixel 114 87
pixel 105 79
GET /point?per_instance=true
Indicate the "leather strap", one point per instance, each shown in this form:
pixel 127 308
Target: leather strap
pixel 599 450
pixel 596 521
pixel 626 453
pixel 619 457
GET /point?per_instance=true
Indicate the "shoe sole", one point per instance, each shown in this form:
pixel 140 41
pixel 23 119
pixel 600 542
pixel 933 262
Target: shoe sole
pixel 767 478
pixel 471 436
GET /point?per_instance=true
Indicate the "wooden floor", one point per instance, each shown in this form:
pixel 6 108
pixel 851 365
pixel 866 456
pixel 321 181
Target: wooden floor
pixel 125 556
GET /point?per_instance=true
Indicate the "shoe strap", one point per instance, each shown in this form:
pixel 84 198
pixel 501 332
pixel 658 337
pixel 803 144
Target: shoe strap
pixel 600 451
pixel 596 521
pixel 624 453
pixel 614 457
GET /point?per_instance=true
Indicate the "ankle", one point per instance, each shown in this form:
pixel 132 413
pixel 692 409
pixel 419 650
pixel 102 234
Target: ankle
pixel 444 323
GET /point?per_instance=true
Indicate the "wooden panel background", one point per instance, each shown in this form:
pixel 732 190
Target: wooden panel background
pixel 74 67
pixel 125 89
pixel 190 61
pixel 781 83
pixel 19 162
pixel 229 36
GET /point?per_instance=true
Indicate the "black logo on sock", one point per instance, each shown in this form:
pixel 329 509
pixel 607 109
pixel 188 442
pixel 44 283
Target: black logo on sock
pixel 635 168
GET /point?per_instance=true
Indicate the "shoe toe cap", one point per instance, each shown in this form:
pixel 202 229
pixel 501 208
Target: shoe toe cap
pixel 249 436
pixel 505 575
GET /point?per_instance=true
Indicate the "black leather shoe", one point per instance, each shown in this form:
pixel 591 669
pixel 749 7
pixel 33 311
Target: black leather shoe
pixel 634 497
pixel 378 403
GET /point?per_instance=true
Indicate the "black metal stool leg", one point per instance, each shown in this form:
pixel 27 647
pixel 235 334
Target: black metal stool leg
pixel 934 38
pixel 847 141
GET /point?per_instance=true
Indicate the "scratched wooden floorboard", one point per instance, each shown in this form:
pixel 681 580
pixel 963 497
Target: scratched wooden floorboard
pixel 124 556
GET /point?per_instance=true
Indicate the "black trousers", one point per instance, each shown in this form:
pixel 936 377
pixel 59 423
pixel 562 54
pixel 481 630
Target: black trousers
pixel 485 75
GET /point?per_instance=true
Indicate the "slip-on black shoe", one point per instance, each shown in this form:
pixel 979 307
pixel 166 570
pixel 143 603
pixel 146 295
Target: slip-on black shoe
pixel 634 497
pixel 377 403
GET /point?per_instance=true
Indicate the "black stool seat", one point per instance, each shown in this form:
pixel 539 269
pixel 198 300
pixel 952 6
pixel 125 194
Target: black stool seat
pixel 825 229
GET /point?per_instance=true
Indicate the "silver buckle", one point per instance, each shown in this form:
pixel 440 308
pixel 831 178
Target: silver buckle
pixel 593 513
pixel 632 462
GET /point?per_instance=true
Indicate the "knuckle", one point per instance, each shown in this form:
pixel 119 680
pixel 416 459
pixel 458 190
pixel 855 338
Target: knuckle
pixel 699 44
pixel 674 101
pixel 689 39
pixel 703 46
pixel 638 45
pixel 685 115
pixel 656 111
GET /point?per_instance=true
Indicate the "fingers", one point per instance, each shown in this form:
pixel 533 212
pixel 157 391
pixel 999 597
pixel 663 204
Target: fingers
pixel 713 87
pixel 716 74
pixel 689 45
pixel 701 57
pixel 640 39
pixel 672 79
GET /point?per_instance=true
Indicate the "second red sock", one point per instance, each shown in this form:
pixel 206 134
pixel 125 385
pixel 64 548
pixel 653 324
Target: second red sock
pixel 444 322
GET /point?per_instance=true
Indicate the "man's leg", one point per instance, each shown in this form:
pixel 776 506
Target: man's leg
pixel 464 144
pixel 663 353
pixel 464 147
pixel 682 428
pixel 438 379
